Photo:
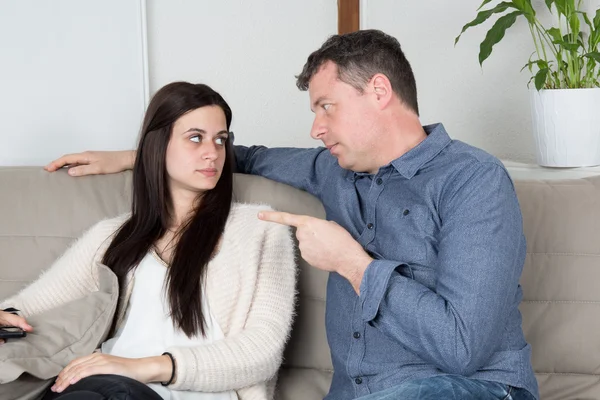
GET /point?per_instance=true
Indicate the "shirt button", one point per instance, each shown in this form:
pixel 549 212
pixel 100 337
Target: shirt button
pixel 379 181
pixel 358 381
pixel 370 226
pixel 356 335
pixel 405 212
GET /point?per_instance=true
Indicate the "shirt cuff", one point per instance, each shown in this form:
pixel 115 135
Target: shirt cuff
pixel 374 285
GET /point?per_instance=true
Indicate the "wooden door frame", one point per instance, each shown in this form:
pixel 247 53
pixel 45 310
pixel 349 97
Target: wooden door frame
pixel 348 16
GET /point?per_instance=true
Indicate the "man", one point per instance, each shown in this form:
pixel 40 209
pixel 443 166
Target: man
pixel 424 240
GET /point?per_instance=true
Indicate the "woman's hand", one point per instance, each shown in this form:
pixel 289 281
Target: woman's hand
pixel 145 370
pixel 94 162
pixel 8 319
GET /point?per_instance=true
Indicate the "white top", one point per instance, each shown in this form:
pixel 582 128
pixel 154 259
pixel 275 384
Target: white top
pixel 148 330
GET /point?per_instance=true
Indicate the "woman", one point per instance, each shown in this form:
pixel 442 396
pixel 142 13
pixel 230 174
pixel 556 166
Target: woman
pixel 207 289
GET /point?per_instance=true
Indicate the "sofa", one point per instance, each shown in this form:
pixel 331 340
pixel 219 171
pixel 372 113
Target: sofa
pixel 41 213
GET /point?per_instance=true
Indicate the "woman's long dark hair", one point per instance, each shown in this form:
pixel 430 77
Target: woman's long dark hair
pixel 152 207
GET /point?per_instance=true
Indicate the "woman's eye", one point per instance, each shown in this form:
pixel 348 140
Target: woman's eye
pixel 196 138
pixel 220 141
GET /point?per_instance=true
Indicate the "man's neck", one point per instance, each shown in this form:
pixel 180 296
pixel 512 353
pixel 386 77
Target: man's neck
pixel 404 132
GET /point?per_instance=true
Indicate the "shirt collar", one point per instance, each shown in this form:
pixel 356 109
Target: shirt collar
pixel 411 162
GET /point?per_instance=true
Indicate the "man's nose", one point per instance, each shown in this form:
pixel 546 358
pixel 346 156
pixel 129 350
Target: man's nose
pixel 318 128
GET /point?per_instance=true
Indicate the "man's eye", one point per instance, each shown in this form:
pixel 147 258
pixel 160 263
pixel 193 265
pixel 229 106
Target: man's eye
pixel 196 138
pixel 326 106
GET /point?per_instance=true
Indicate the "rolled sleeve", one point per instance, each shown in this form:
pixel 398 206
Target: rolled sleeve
pixel 374 285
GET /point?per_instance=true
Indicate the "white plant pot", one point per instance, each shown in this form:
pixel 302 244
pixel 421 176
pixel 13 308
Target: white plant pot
pixel 566 127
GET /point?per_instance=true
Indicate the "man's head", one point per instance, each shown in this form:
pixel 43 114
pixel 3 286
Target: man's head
pixel 363 94
pixel 358 57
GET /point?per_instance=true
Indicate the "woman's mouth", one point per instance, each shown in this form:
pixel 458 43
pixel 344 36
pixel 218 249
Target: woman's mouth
pixel 208 172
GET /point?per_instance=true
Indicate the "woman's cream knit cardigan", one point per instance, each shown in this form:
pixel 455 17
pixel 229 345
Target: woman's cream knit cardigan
pixel 250 287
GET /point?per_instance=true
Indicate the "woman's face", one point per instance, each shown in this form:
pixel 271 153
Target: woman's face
pixel 196 150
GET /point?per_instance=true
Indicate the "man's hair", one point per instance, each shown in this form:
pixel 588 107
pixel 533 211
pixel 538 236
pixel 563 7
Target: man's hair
pixel 358 57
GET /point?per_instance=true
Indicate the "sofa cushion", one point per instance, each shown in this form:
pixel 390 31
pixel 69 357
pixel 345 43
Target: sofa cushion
pixel 561 281
pixel 70 331
pixel 42 213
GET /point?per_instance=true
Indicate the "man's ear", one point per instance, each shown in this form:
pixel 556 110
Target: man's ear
pixel 382 89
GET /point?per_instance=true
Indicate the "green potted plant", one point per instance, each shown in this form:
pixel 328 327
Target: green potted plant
pixel 565 103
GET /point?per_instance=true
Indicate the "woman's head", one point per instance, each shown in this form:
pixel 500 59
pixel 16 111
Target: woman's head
pixel 184 145
pixel 184 149
pixel 196 151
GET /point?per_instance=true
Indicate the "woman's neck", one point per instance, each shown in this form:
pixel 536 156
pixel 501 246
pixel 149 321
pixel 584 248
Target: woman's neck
pixel 184 203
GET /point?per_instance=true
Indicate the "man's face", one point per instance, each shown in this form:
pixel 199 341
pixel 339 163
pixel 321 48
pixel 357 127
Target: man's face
pixel 344 120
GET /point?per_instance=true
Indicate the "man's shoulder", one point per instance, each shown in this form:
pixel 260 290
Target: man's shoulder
pixel 460 157
pixel 467 153
pixel 462 166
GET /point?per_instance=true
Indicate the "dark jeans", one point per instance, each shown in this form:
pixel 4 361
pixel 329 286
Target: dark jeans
pixel 450 387
pixel 105 387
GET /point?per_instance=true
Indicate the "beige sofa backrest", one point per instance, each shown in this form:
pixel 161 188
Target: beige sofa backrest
pixel 561 285
pixel 41 213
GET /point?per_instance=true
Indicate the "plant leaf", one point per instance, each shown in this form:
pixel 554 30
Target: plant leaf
pixel 595 33
pixel 549 4
pixel 496 33
pixel 575 24
pixel 528 11
pixel 586 19
pixel 569 46
pixel 482 16
pixel 594 55
pixel 569 39
pixel 540 78
pixel 483 4
pixel 555 34
pixel 561 7
pixel 541 64
pixel 594 38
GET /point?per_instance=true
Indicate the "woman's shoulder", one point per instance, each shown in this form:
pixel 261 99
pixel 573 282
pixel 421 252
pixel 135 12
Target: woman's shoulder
pixel 245 216
pixel 249 208
pixel 107 227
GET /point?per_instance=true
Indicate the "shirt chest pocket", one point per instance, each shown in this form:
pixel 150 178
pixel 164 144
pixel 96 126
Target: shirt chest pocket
pixel 406 233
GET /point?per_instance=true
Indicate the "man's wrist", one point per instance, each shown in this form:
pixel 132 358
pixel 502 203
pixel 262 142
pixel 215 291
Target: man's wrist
pixel 355 271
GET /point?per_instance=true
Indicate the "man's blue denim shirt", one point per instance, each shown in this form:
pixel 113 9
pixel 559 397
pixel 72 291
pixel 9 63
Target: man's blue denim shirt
pixel 445 229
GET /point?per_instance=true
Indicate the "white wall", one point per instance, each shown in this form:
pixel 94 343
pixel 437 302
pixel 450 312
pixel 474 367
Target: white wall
pixel 487 107
pixel 61 60
pixel 71 77
pixel 249 51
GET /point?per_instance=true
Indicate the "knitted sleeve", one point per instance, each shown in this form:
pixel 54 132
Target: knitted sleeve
pixel 70 277
pixel 254 354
